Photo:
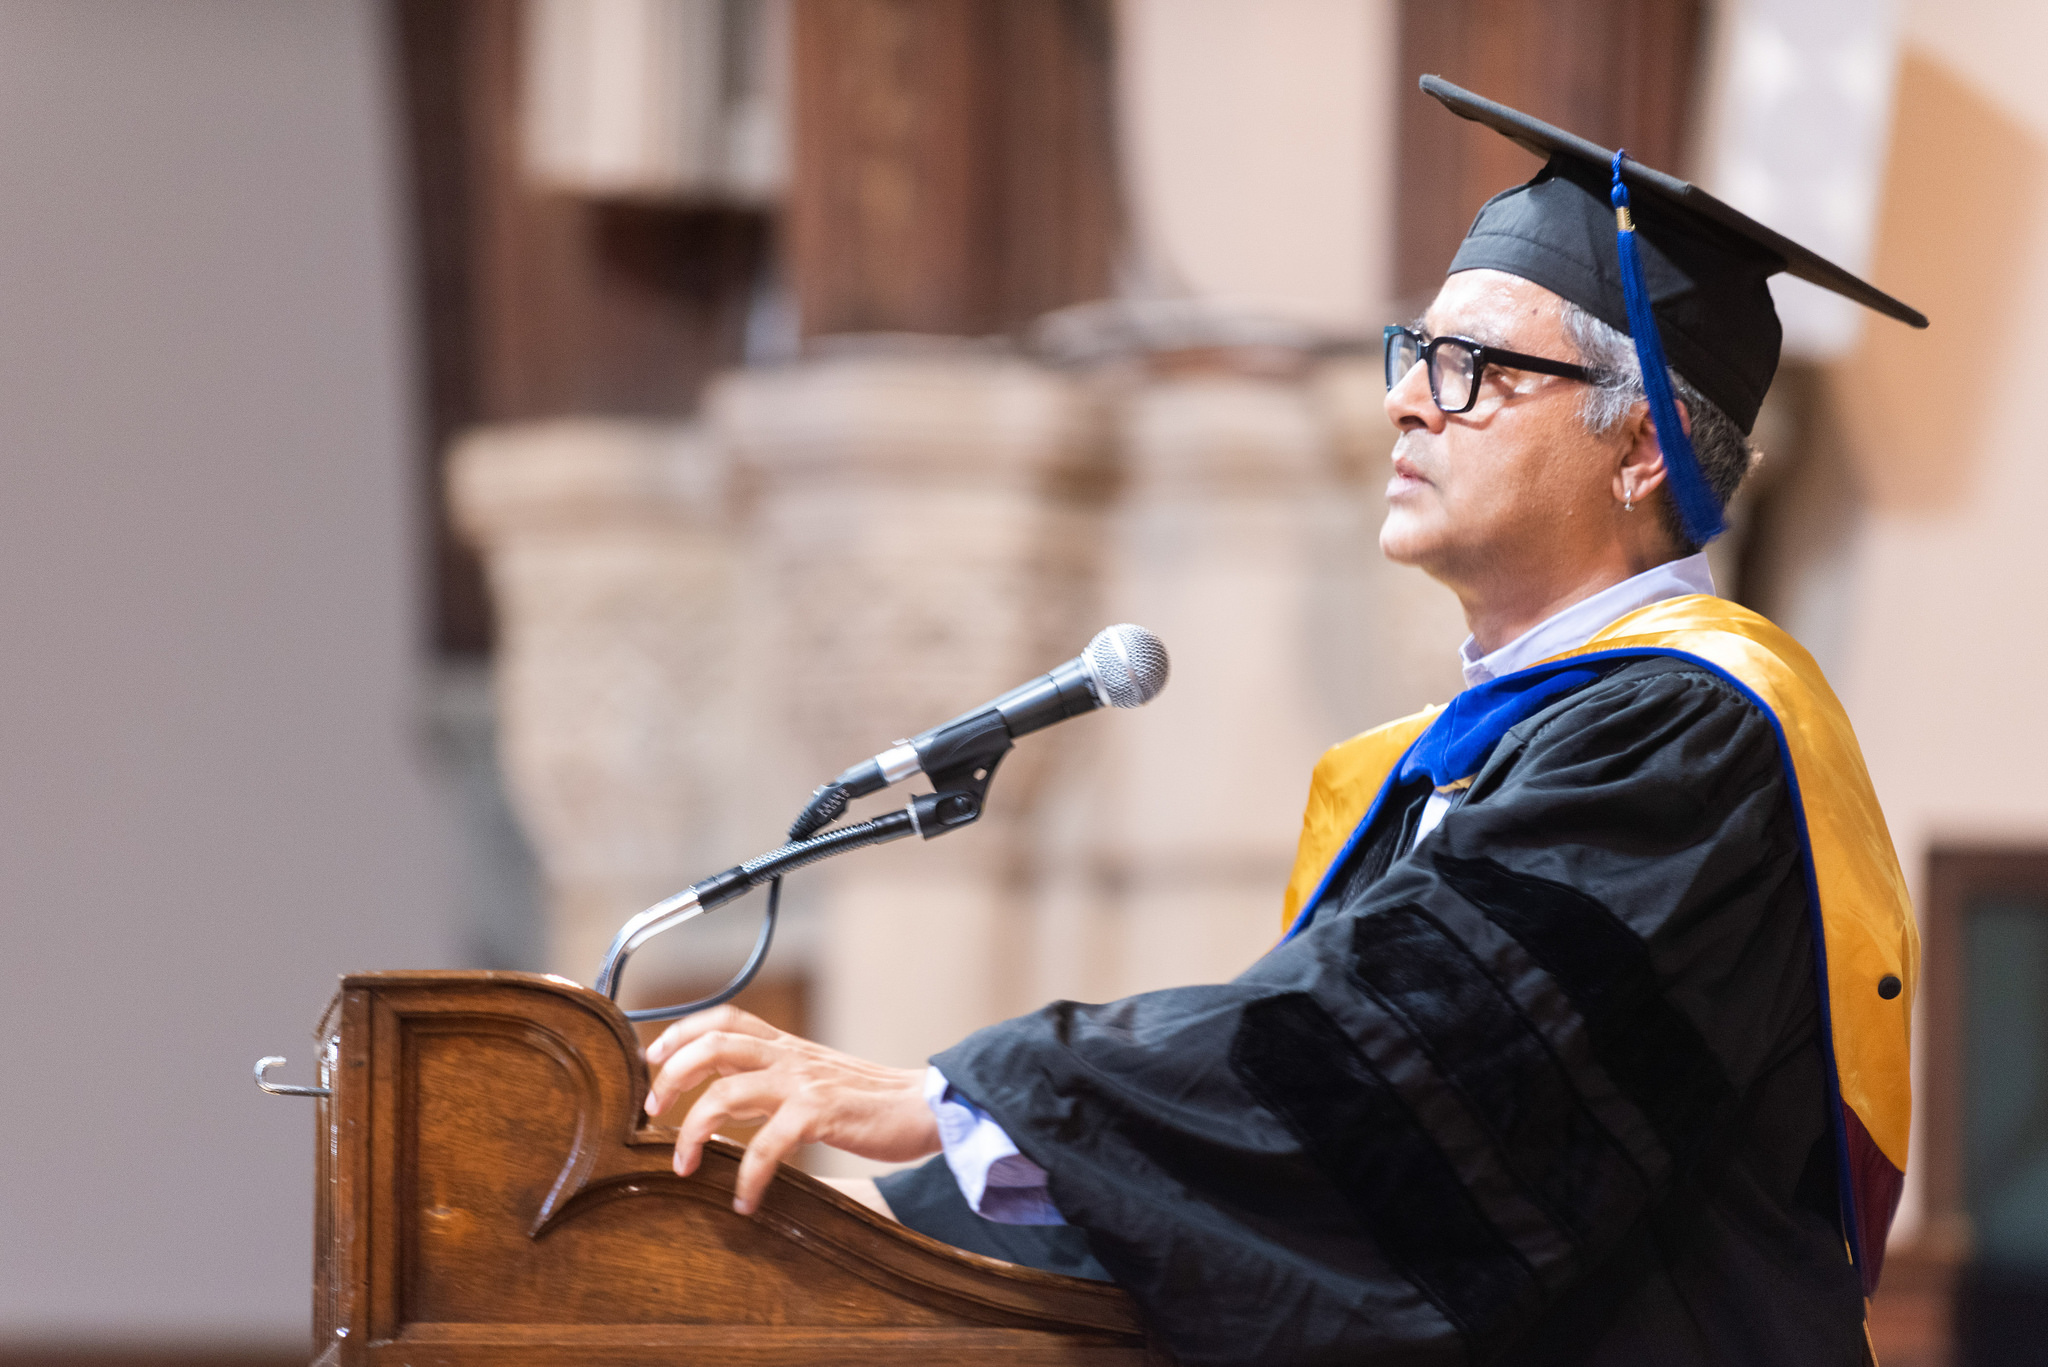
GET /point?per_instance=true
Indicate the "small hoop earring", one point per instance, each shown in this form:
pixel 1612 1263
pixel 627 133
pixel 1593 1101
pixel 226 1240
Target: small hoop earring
pixel 1630 505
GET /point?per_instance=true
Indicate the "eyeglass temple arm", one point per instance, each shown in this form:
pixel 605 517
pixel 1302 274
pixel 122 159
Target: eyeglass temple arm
pixel 1542 365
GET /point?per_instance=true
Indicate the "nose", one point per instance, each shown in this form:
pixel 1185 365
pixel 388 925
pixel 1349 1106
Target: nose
pixel 1409 405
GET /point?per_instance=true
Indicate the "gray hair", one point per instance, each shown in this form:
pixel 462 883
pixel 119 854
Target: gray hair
pixel 1726 456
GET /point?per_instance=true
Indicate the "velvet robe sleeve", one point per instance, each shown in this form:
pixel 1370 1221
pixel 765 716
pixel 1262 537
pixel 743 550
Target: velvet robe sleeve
pixel 1479 1078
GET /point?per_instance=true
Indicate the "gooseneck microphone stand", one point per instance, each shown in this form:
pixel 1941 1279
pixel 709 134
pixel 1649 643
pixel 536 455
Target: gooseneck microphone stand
pixel 1122 666
pixel 960 779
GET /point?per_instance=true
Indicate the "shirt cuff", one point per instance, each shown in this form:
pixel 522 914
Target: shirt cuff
pixel 1000 1184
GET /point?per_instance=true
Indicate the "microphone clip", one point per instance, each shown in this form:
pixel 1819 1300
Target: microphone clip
pixel 959 758
pixel 960 761
pixel 960 789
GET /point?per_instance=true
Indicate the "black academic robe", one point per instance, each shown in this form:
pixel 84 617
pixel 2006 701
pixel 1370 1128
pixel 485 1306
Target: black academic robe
pixel 1545 1088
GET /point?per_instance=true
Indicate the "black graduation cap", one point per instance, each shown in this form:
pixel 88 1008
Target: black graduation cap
pixel 1669 251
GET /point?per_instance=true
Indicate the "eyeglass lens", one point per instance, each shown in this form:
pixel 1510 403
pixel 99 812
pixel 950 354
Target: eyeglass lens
pixel 1453 368
pixel 1403 351
pixel 1453 371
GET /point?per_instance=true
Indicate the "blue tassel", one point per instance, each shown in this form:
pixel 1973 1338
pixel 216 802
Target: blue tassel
pixel 1699 512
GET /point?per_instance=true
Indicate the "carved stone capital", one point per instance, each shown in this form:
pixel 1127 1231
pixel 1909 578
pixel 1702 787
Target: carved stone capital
pixel 611 563
pixel 924 535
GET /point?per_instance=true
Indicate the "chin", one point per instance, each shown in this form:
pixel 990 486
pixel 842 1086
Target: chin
pixel 1407 539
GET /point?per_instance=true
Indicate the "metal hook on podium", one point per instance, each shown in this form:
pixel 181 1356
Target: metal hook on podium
pixel 265 1064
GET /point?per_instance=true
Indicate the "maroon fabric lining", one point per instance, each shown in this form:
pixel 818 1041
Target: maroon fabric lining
pixel 1875 1186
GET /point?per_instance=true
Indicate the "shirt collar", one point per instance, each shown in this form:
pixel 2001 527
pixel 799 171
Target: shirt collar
pixel 1576 625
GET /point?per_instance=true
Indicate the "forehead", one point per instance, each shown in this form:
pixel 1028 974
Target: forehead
pixel 1493 306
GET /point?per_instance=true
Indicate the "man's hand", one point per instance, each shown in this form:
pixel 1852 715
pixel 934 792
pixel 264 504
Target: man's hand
pixel 806 1094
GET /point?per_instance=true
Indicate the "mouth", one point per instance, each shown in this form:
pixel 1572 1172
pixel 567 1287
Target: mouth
pixel 1407 478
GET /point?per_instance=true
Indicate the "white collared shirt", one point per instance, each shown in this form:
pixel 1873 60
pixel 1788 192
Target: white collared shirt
pixel 1577 624
pixel 1568 630
pixel 1000 1184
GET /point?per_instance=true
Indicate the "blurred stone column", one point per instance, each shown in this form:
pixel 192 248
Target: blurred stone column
pixel 1247 538
pixel 924 537
pixel 1216 552
pixel 610 563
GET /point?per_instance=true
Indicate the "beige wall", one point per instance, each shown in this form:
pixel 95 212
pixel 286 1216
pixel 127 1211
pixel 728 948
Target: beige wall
pixel 210 797
pixel 1950 561
pixel 1939 575
pixel 1257 137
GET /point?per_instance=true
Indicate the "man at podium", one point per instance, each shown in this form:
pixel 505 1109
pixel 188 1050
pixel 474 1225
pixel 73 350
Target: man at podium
pixel 1587 1040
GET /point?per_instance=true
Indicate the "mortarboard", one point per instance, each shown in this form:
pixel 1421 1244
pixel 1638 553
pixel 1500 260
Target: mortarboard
pixel 1683 274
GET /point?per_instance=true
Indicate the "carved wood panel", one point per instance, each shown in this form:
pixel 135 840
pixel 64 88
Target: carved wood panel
pixel 491 1193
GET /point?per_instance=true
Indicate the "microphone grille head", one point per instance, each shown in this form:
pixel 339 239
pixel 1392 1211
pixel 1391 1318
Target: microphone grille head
pixel 1129 664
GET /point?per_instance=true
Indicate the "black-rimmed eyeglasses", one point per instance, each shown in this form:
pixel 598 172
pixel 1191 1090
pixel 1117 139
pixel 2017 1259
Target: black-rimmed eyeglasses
pixel 1457 364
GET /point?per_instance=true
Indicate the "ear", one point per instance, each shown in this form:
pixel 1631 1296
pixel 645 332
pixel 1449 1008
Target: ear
pixel 1640 471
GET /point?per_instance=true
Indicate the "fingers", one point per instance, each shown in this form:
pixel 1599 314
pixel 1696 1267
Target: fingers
pixel 788 1128
pixel 808 1095
pixel 728 1019
pixel 746 1096
pixel 716 1054
pixel 724 1041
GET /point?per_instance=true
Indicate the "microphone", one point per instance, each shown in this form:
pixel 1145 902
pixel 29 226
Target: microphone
pixel 1123 666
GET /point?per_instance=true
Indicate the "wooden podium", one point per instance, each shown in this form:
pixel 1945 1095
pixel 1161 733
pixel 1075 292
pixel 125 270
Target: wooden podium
pixel 489 1192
